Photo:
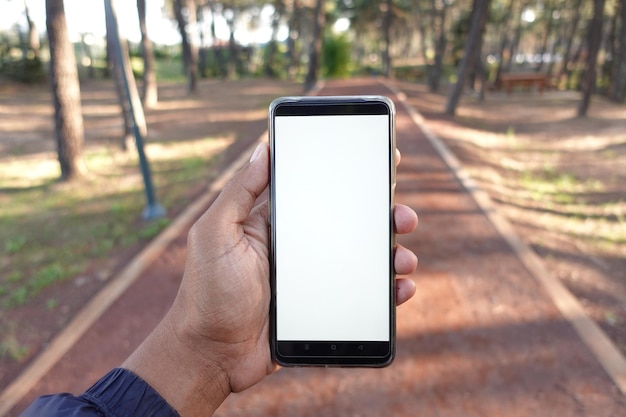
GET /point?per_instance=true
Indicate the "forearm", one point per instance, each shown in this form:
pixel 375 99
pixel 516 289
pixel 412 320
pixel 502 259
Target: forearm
pixel 191 381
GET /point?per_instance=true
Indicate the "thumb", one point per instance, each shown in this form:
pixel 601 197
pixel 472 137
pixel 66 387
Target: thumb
pixel 236 200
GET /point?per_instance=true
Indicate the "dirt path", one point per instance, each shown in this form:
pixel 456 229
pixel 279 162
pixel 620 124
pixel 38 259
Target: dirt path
pixel 480 338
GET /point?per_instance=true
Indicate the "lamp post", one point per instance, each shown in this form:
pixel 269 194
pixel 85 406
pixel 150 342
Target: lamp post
pixel 153 209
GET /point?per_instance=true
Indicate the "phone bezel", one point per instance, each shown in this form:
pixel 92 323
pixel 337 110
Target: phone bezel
pixel 333 353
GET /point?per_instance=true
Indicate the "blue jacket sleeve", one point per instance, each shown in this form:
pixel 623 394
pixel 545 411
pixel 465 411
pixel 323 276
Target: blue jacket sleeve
pixel 120 393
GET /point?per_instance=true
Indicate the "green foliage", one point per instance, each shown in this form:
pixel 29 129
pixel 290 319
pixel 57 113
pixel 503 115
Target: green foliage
pixel 134 50
pixel 10 347
pixel 18 296
pixel 153 228
pixel 14 244
pixel 167 52
pixel 29 70
pixel 52 303
pixel 17 65
pixel 560 187
pixel 279 59
pixel 336 52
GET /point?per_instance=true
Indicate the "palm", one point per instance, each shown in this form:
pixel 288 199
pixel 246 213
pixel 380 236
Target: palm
pixel 241 301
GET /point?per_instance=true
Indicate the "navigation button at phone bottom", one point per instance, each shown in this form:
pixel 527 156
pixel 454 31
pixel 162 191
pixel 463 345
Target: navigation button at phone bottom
pixel 299 348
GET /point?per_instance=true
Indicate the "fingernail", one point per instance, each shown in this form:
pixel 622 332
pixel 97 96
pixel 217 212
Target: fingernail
pixel 257 151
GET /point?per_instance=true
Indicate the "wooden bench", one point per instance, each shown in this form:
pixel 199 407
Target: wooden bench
pixel 526 80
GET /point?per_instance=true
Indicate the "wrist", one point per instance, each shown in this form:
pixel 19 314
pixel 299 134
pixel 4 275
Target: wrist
pixel 189 377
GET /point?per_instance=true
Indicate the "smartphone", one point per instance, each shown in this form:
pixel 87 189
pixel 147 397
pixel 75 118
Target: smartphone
pixel 332 180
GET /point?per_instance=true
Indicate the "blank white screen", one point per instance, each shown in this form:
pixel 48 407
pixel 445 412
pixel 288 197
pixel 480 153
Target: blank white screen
pixel 332 227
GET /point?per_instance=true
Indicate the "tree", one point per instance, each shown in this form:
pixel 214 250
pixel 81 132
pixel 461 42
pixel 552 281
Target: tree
pixel 567 55
pixel 517 35
pixel 440 8
pixel 65 88
pixel 594 39
pixel 316 46
pixel 295 22
pixel 387 20
pixel 202 50
pixel 477 25
pixel 549 9
pixel 149 92
pixel 381 26
pixel 230 14
pixel 619 85
pixel 279 9
pixel 33 35
pixel 504 38
pixel 218 52
pixel 190 49
pixel 607 71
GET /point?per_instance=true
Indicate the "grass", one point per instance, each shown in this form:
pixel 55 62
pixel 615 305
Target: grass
pixel 166 69
pixel 558 186
pixel 60 242
pixel 52 231
pixel 10 347
pixel 559 201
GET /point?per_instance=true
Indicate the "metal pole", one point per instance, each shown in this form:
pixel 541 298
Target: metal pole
pixel 153 209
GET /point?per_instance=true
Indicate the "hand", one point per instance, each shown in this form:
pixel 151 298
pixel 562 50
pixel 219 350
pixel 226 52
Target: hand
pixel 221 313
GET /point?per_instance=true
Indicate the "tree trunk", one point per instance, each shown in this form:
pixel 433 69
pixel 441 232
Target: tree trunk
pixel 421 27
pixel 439 33
pixel 619 90
pixel 549 29
pixel 575 62
pixel 570 40
pixel 233 53
pixel 279 7
pixel 33 35
pixel 595 39
pixel 192 71
pixel 517 34
pixel 476 71
pixel 65 87
pixel 479 18
pixel 504 40
pixel 182 29
pixel 387 20
pixel 149 92
pixel 202 62
pixel 190 49
pixel 218 51
pixel 316 47
pixel 293 59
pixel 610 52
pixel 479 69
pixel 557 42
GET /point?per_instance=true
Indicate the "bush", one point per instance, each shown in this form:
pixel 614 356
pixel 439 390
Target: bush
pixel 29 70
pixel 279 61
pixel 336 51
